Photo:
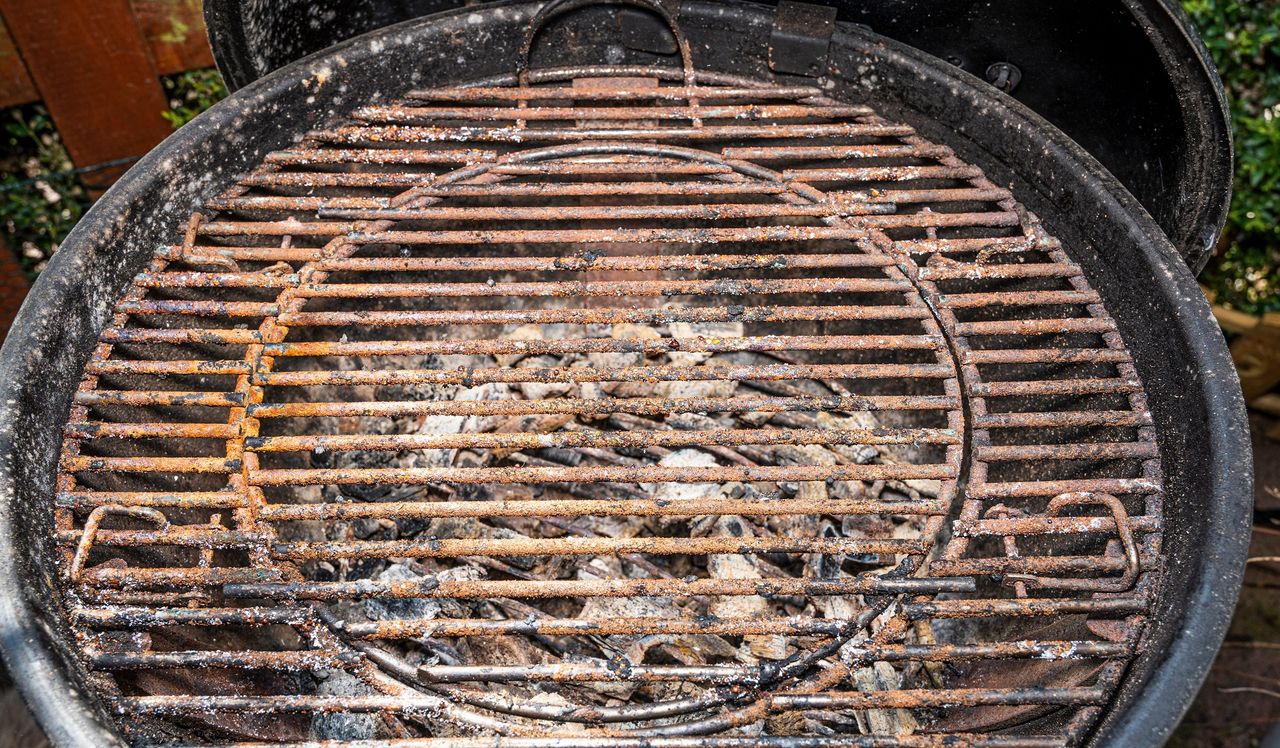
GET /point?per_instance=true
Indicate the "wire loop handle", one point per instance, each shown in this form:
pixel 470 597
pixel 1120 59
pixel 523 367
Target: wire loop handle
pixel 1131 563
pixel 560 7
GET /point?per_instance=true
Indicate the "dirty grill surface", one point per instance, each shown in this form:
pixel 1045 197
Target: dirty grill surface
pixel 610 410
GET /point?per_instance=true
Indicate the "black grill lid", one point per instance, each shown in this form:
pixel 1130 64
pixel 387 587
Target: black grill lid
pixel 1130 80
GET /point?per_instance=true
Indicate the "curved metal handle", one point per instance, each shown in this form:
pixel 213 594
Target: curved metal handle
pixel 560 7
pixel 1121 517
pixel 90 531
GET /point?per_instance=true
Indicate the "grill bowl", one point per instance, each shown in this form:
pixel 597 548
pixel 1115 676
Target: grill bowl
pixel 1178 351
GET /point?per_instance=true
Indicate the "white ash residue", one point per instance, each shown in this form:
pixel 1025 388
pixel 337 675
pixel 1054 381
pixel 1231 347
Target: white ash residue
pixel 693 649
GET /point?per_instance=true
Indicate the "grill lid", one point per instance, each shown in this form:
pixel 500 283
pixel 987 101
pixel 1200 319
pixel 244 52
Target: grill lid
pixel 620 402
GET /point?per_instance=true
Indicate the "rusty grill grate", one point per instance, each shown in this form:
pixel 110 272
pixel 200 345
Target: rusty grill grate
pixel 611 410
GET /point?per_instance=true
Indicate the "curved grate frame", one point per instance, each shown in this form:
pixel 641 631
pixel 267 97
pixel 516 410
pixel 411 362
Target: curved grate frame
pixel 606 410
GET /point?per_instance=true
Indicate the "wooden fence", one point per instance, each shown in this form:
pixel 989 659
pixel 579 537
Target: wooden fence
pixel 96 65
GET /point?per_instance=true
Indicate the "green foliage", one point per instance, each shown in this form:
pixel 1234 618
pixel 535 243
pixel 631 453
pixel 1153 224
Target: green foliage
pixel 180 11
pixel 1244 38
pixel 41 197
pixel 191 93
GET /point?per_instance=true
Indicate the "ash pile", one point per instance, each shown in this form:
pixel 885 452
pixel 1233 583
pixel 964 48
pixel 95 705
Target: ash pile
pixel 765 658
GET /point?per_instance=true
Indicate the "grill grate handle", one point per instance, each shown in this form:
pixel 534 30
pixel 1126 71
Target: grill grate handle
pixel 560 7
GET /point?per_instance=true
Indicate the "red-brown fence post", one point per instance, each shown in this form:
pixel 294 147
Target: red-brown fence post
pixel 90 63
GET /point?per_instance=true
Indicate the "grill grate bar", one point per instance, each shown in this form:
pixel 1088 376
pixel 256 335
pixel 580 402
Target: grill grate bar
pixel 619 93
pixel 1118 486
pixel 1054 525
pixel 880 174
pixel 655 546
pixel 1062 419
pixel 159 500
pixel 594 474
pixel 402 114
pixel 405 156
pixel 1046 356
pixel 548 316
pixel 989 271
pixel 1009 245
pixel 903 699
pixel 141 577
pixel 826 152
pixel 571 213
pixel 593 508
pixel 1071 566
pixel 251 660
pixel 605 406
pixel 485 589
pixel 1092 451
pixel 600 440
pixel 1019 298
pixel 869 214
pixel 582 374
pixel 569 289
pixel 198 335
pixel 597 316
pixel 1058 387
pixel 647 346
pixel 1032 327
pixel 937 698
pixel 160 397
pixel 196 307
pixel 201 368
pixel 358 134
pixel 148 617
pixel 1022 607
pixel 893 196
pixel 725 286
pixel 596 263
pixel 190 535
pixel 414 628
pixel 150 464
pixel 108 429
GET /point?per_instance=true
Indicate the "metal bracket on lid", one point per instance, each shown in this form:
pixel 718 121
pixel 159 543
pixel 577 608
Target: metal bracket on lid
pixel 800 39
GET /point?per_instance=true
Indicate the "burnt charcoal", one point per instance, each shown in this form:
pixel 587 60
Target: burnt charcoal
pixel 392 609
pixel 408 528
pixel 368 528
pixel 366 568
pixel 321 571
pixel 344 725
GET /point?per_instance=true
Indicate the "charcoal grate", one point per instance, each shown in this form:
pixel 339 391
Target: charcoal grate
pixel 616 405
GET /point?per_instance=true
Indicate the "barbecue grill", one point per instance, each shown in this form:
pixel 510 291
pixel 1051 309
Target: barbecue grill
pixel 484 381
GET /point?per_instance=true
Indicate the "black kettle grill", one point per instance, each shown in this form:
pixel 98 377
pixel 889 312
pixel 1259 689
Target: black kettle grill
pixel 639 374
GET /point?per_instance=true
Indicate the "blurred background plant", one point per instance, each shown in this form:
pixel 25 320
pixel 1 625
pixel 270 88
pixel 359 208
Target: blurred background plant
pixel 191 93
pixel 41 195
pixel 1244 38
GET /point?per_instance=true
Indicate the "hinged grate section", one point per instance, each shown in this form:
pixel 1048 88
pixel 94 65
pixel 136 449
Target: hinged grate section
pixel 611 409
